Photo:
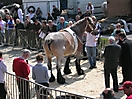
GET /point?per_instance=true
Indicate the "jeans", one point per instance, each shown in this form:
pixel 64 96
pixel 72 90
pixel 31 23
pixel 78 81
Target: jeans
pixel 91 53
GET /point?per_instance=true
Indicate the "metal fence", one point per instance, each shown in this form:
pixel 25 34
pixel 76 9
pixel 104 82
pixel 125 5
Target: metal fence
pixel 21 37
pixel 29 39
pixel 20 88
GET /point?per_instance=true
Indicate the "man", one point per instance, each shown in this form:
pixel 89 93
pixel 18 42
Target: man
pixel 126 57
pixel 52 26
pixel 90 8
pixel 2 30
pixel 62 24
pixel 127 88
pixel 111 55
pixel 31 14
pixel 118 27
pixel 108 93
pixel 22 69
pixel 10 29
pixel 20 31
pixel 3 69
pixel 91 41
pixel 81 14
pixel 35 36
pixel 77 18
pixel 20 14
pixel 55 12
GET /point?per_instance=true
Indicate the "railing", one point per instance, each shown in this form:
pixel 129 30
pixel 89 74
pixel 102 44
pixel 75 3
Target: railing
pixel 30 39
pixel 21 37
pixel 31 90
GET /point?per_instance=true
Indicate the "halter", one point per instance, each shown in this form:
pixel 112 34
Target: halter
pixel 89 25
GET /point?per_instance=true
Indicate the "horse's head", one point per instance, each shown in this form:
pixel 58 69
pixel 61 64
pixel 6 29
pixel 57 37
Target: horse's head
pixel 90 25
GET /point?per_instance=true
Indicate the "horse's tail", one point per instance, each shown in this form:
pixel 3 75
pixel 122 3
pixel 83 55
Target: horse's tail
pixel 47 46
pixel 49 43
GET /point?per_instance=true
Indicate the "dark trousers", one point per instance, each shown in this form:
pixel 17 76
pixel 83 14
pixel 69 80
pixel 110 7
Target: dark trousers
pixel 2 91
pixel 127 74
pixel 24 89
pixel 9 36
pixel 43 92
pixel 113 73
pixel 33 39
pixel 84 52
pixel 2 37
pixel 23 37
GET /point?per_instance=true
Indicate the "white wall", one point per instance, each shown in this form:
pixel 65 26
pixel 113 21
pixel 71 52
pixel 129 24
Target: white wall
pixel 45 5
pixel 82 4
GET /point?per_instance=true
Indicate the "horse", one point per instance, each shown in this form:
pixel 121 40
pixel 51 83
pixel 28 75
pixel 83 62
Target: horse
pixel 66 42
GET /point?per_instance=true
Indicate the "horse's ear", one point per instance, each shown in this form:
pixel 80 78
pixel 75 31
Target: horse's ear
pixel 88 19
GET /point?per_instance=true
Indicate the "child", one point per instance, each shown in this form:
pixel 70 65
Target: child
pixel 41 74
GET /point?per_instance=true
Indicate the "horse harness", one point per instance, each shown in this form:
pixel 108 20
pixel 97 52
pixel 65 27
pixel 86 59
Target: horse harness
pixel 75 38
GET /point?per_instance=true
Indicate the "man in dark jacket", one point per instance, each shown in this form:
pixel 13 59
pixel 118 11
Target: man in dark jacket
pixel 126 57
pixel 111 55
pixel 36 30
pixel 20 31
pixel 55 12
pixel 52 26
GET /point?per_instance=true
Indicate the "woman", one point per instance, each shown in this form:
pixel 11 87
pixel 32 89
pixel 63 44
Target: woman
pixel 49 16
pixel 39 14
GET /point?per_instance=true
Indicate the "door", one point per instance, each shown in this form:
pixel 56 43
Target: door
pixel 118 7
pixel 72 6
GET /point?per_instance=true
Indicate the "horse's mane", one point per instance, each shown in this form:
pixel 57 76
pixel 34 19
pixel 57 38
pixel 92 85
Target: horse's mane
pixel 78 22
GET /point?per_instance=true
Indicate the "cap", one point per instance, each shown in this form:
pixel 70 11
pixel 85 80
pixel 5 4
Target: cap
pixel 126 84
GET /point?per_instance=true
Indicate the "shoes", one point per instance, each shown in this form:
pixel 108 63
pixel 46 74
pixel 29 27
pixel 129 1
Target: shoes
pixel 121 83
pixel 91 67
pixel 94 66
pixel 116 90
pixel 85 58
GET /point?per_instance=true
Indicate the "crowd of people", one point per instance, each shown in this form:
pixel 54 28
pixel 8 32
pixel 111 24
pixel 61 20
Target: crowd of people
pixel 117 53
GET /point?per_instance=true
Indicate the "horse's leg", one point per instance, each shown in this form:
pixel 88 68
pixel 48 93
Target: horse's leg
pixel 66 68
pixel 60 78
pixel 52 78
pixel 78 67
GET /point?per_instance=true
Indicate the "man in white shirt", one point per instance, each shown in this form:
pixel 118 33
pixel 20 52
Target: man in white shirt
pixel 2 30
pixel 31 14
pixel 20 14
pixel 3 69
pixel 90 8
pixel 91 41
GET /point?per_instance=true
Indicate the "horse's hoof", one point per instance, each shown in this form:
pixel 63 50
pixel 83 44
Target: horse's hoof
pixel 81 72
pixel 52 78
pixel 68 71
pixel 60 78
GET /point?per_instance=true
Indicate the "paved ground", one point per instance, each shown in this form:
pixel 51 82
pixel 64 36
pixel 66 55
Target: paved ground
pixel 90 84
